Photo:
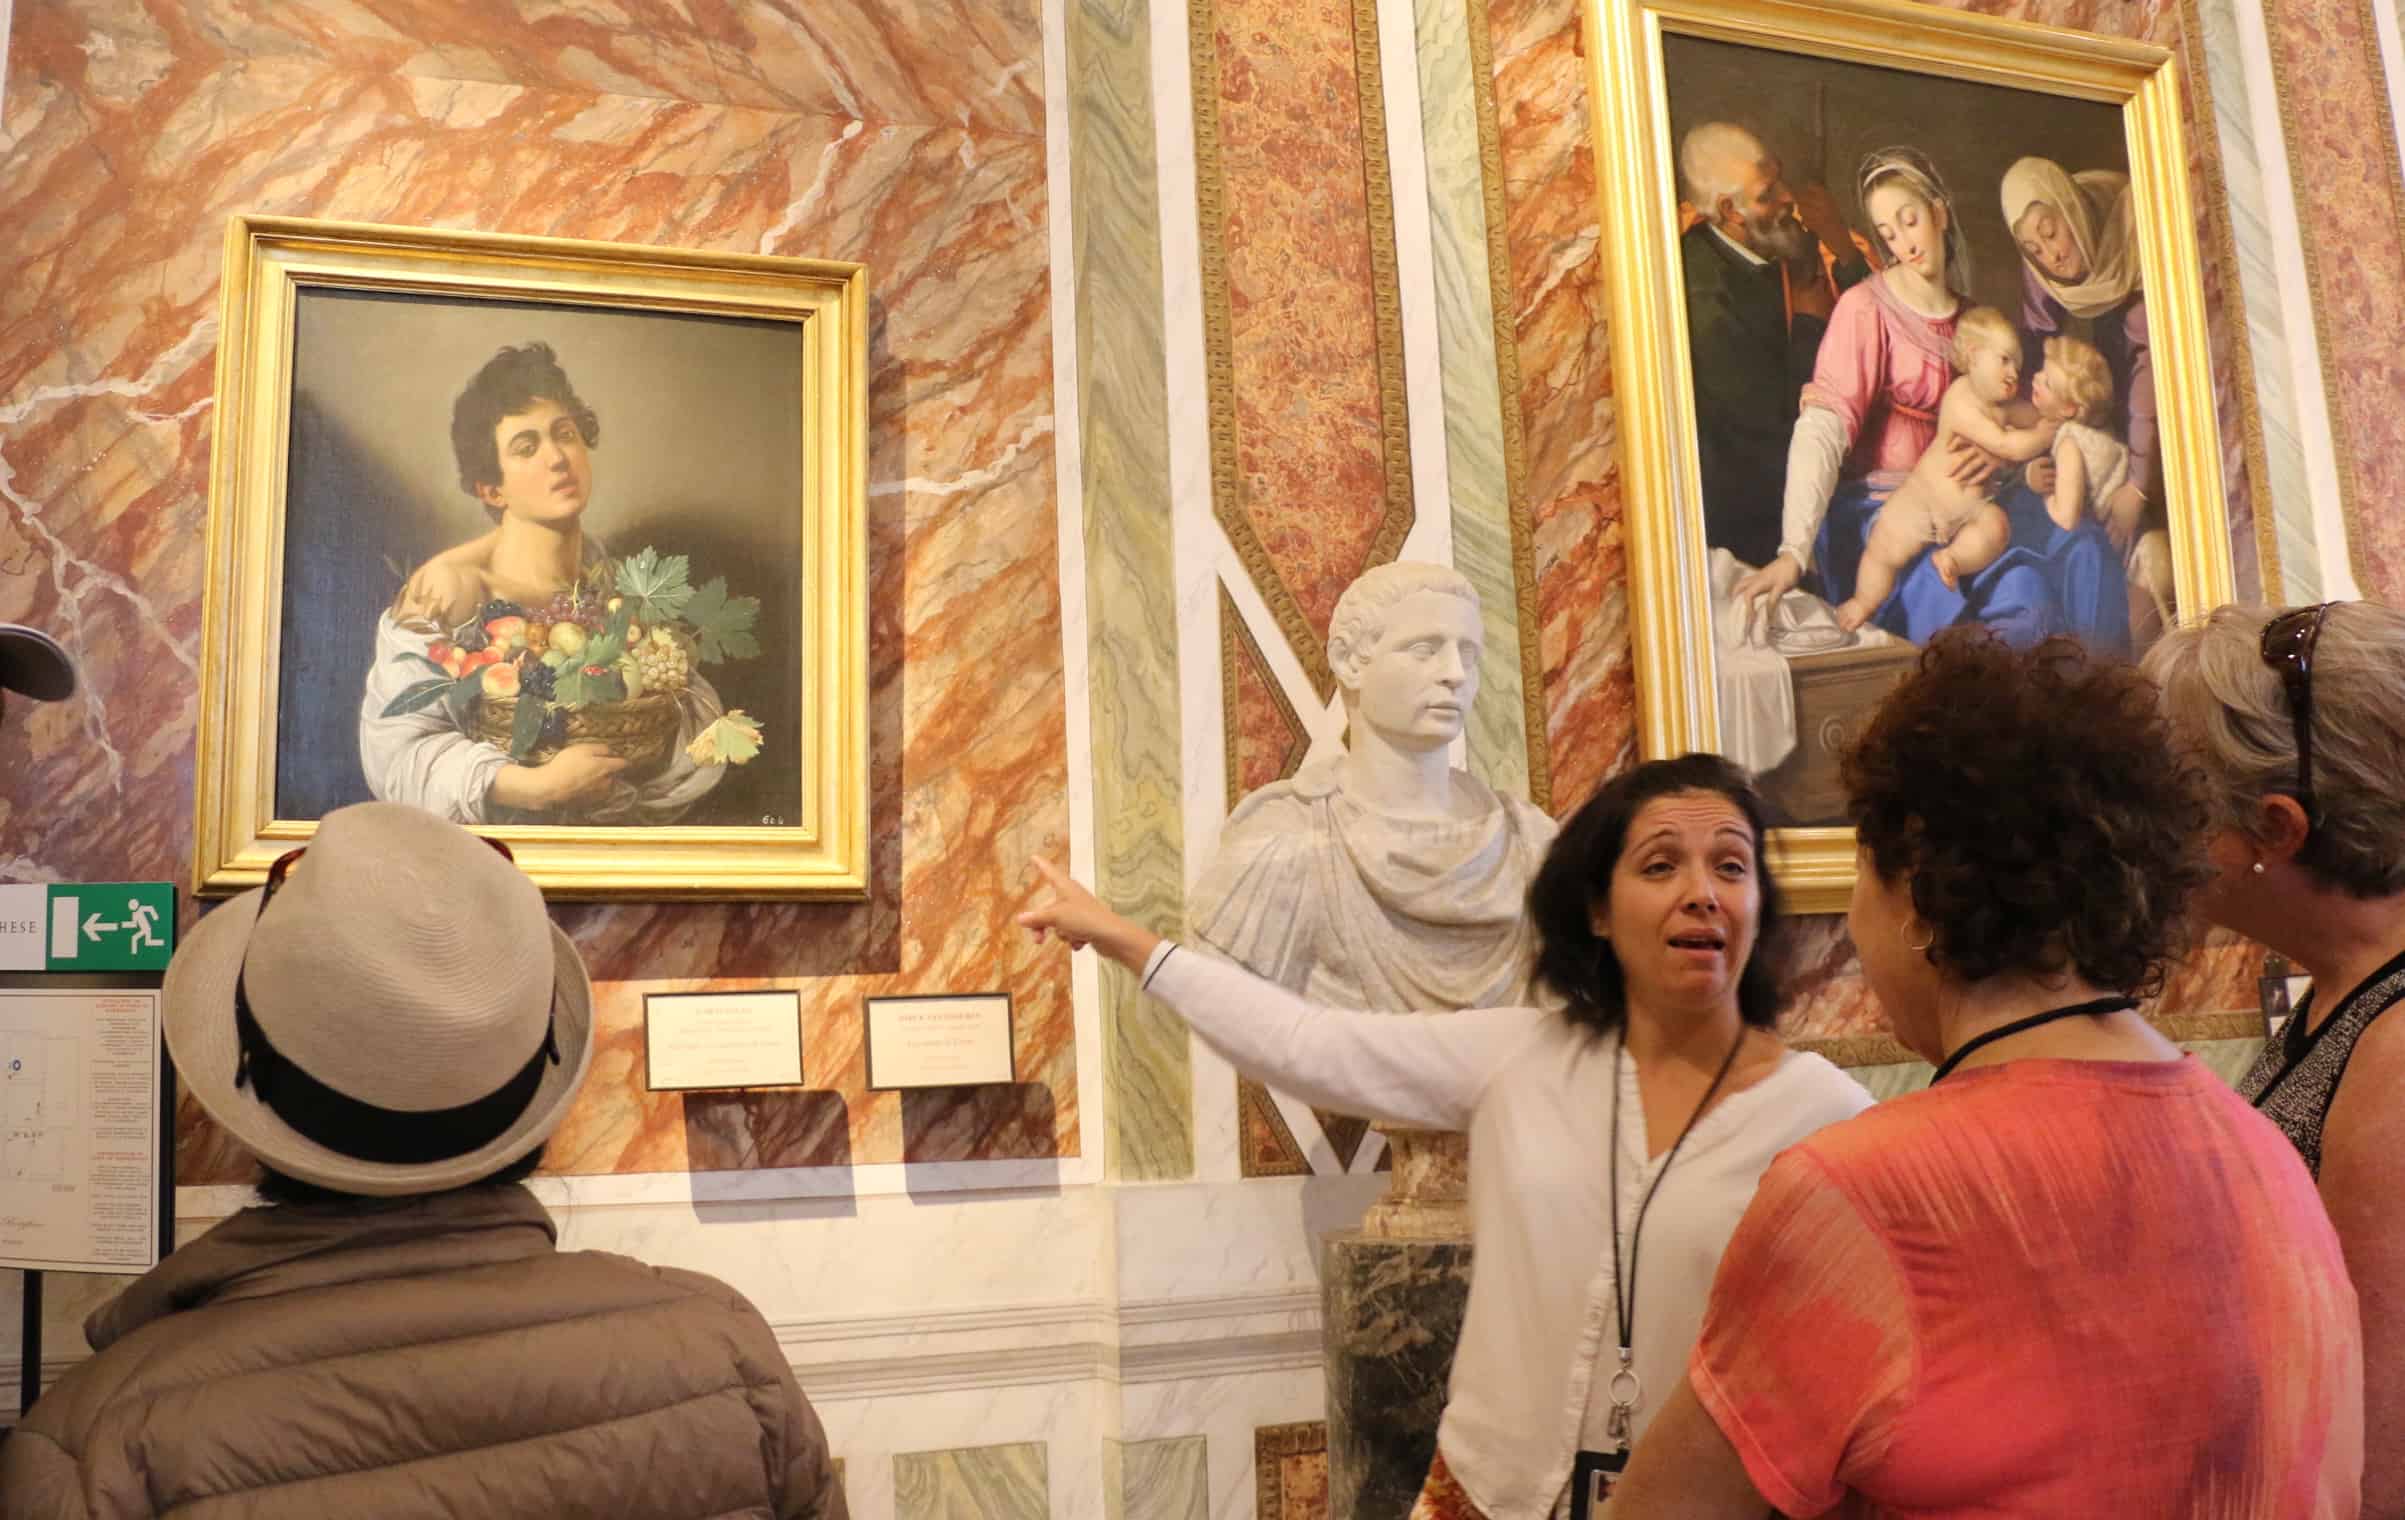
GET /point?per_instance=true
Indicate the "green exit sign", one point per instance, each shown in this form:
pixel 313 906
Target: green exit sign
pixel 87 926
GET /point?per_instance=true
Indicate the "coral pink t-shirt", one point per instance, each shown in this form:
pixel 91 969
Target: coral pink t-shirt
pixel 2042 1288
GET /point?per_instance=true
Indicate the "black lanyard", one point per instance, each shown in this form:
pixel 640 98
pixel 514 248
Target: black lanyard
pixel 1624 1284
pixel 2096 1009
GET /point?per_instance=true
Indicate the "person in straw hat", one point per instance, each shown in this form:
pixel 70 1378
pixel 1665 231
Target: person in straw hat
pixel 393 1026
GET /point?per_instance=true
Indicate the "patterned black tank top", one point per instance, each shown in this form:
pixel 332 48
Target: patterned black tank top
pixel 2293 1081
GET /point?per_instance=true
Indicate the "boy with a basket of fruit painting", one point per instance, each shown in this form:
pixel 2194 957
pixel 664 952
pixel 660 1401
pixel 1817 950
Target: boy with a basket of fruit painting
pixel 527 676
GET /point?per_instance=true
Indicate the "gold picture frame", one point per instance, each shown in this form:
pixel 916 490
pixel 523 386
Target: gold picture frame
pixel 742 380
pixel 1678 662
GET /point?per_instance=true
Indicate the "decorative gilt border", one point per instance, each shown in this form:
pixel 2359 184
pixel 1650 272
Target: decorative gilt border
pixel 1273 1444
pixel 268 262
pixel 1503 309
pixel 1670 615
pixel 1287 1158
pixel 1386 296
pixel 1219 361
pixel 2350 481
pixel 1236 647
pixel 2218 228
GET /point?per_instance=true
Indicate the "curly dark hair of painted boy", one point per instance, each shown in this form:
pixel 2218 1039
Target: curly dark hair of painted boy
pixel 510 382
pixel 1573 961
pixel 2039 808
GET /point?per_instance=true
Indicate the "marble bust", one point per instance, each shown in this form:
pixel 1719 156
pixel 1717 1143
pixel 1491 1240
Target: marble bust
pixel 1381 876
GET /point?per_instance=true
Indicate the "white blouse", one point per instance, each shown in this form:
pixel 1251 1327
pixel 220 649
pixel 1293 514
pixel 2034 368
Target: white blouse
pixel 1533 1091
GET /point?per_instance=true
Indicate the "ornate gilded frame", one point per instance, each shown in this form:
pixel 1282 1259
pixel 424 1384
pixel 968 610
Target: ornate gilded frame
pixel 1669 601
pixel 269 261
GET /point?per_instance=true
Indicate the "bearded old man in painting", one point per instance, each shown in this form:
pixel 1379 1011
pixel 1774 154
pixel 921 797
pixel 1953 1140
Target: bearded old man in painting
pixel 1763 267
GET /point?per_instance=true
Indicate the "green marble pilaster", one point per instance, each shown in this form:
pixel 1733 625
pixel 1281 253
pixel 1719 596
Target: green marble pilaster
pixel 1474 444
pixel 973 1483
pixel 1155 1480
pixel 1114 200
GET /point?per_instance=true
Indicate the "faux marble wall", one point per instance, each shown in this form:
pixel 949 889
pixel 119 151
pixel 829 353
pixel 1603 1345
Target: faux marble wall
pixel 2335 106
pixel 909 134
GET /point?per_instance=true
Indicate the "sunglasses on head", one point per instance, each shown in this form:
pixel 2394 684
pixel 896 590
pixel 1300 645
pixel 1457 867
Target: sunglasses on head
pixel 2287 648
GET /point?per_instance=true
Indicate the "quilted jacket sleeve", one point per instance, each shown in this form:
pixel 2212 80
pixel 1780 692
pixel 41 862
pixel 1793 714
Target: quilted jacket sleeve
pixel 792 1441
pixel 38 1478
pixel 809 1488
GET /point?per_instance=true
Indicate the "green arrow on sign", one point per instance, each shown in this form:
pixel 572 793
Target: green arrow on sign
pixel 111 925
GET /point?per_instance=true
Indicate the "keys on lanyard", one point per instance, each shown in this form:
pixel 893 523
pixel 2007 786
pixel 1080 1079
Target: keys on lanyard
pixel 1623 1390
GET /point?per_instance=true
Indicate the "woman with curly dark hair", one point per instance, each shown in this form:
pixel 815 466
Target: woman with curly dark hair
pixel 2078 1275
pixel 1615 1135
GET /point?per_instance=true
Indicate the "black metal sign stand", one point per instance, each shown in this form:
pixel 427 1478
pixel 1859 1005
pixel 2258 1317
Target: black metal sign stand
pixel 29 1374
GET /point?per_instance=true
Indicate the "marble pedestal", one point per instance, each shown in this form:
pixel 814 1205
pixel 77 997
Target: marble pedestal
pixel 1392 1314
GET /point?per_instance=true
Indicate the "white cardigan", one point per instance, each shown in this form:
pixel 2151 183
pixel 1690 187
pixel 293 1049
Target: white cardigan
pixel 1532 1089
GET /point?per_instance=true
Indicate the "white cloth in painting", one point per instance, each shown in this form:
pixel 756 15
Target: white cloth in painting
pixel 1755 686
pixel 2107 462
pixel 1364 909
pixel 1534 1091
pixel 423 759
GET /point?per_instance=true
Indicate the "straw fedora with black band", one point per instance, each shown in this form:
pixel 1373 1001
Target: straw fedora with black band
pixel 32 662
pixel 416 1021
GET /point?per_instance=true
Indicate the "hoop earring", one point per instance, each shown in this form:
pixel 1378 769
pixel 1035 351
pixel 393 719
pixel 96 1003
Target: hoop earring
pixel 1928 938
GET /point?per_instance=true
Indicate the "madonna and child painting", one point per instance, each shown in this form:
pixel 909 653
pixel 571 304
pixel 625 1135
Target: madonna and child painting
pixel 1924 393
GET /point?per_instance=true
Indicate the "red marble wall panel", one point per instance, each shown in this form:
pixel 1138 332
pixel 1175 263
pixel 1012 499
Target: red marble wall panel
pixel 132 130
pixel 1309 417
pixel 1266 741
pixel 1561 322
pixel 2350 210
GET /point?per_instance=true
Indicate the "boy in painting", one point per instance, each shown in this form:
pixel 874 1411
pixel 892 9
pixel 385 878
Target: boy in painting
pixel 2091 467
pixel 1931 506
pixel 524 443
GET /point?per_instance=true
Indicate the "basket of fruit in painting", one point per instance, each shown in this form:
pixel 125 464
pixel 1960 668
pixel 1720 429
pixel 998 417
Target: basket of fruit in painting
pixel 606 661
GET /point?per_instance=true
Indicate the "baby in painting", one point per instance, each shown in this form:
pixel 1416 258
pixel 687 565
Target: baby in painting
pixel 2074 388
pixel 1931 506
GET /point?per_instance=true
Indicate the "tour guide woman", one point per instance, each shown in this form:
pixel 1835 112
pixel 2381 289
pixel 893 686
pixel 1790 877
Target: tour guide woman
pixel 2298 718
pixel 2078 1275
pixel 1614 1138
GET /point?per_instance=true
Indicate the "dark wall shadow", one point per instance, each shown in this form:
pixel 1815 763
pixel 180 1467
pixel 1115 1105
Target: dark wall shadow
pixel 746 1131
pixel 1000 1121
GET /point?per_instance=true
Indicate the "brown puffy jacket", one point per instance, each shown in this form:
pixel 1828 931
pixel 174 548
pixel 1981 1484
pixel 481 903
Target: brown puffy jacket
pixel 432 1356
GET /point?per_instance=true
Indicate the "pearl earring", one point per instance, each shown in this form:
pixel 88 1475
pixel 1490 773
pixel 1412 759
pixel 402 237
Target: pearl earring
pixel 2258 868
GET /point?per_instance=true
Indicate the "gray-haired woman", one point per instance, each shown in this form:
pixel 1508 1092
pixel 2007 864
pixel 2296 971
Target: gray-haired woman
pixel 2299 720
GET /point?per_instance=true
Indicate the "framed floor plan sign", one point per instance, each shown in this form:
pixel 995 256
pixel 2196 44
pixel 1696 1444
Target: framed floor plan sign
pixel 564 541
pixel 1908 335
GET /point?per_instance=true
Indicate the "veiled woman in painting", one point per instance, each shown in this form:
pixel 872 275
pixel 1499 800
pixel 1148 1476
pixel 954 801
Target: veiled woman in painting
pixel 2081 276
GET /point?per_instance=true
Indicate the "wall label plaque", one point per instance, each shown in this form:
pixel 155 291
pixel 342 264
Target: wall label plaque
pixel 701 1040
pixel 944 1040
